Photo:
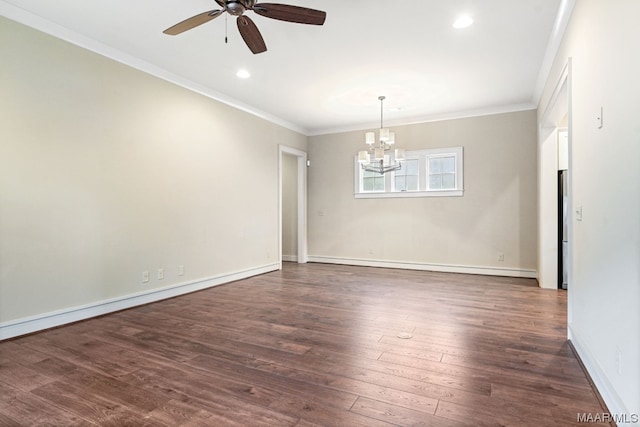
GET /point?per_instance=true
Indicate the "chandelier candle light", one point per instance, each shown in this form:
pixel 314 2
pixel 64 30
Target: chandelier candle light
pixel 373 160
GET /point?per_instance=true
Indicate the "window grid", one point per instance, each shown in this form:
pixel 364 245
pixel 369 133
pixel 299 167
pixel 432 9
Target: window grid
pixel 441 173
pixel 407 178
pixel 372 182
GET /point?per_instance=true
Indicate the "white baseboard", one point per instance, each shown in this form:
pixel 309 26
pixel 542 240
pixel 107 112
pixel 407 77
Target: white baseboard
pixel 290 258
pixel 615 405
pixel 52 319
pixel 445 268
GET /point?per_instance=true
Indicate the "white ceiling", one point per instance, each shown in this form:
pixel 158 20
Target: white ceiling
pixel 321 79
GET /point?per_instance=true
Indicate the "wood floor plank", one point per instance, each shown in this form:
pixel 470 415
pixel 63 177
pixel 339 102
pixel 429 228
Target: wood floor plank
pixel 27 409
pixel 91 407
pixel 184 383
pixel 310 345
pixel 326 378
pixel 569 389
pixel 460 413
pixel 22 377
pixel 310 413
pixel 401 416
pixel 287 382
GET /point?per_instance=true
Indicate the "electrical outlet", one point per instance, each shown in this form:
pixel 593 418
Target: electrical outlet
pixel 500 256
pixel 160 273
pixel 181 270
pixel 145 277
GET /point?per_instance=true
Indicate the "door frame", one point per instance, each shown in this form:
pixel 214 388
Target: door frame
pixel 301 157
pixel 559 104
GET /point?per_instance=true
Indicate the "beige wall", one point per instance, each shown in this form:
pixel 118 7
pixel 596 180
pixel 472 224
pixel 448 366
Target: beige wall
pixel 106 172
pixel 604 294
pixel 496 214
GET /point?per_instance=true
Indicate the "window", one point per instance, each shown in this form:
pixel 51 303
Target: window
pixel 372 182
pixel 407 178
pixel 425 173
pixel 441 172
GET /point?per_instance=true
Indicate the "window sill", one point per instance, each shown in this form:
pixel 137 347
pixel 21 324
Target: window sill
pixel 448 193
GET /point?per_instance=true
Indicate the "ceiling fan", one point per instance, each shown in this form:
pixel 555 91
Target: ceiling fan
pixel 248 30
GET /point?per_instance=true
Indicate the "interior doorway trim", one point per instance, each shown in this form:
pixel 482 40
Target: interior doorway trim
pixel 558 105
pixel 301 158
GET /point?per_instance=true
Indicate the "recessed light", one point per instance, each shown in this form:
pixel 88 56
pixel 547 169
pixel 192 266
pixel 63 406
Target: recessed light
pixel 463 22
pixel 243 74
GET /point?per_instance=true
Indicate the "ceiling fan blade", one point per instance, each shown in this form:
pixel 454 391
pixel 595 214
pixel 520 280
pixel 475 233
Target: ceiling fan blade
pixel 221 3
pixel 193 22
pixel 251 34
pixel 285 12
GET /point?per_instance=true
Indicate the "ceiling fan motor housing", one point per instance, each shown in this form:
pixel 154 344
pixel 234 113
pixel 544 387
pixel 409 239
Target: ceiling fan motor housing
pixel 235 8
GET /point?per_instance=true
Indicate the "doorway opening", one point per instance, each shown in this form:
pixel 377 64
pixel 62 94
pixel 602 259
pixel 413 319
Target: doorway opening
pixel 563 209
pixel 554 188
pixel 292 236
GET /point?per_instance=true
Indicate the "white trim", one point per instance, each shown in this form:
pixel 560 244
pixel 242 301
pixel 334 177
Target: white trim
pixel 607 391
pixel 558 105
pixel 56 318
pixel 558 96
pixel 302 202
pixel 444 268
pixel 559 28
pixel 480 112
pixel 290 258
pixel 31 20
pixel 27 18
pixel 397 194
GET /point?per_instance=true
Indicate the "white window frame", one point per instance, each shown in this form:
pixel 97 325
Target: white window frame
pixel 360 179
pixel 423 177
pixel 408 156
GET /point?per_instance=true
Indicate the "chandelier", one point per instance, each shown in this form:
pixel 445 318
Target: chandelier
pixel 376 159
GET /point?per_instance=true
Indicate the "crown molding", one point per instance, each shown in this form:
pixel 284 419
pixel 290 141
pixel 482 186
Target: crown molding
pixel 487 111
pixel 555 40
pixel 36 22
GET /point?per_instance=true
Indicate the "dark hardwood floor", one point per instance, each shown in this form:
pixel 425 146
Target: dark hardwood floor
pixel 311 345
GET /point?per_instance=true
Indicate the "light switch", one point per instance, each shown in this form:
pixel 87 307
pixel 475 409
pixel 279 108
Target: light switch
pixel 579 213
pixel 599 119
